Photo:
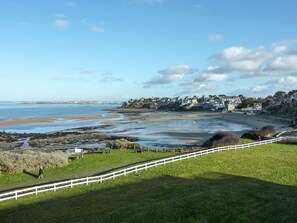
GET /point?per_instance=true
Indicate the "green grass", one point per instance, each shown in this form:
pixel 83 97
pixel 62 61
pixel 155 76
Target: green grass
pixel 89 165
pixel 257 184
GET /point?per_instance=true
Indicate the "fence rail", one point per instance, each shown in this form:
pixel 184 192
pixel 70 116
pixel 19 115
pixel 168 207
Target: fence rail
pixel 15 194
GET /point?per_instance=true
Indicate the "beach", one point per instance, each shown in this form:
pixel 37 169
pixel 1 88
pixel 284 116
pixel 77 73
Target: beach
pixel 194 136
pixel 149 127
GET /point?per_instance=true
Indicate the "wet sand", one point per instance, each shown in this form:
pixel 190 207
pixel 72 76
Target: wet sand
pixel 189 136
pixel 253 121
pixel 54 120
pixel 197 137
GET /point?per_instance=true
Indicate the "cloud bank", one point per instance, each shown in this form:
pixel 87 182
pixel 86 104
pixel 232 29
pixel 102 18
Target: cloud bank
pixel 276 69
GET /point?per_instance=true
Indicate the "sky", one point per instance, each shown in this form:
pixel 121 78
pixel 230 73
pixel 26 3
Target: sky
pixel 120 49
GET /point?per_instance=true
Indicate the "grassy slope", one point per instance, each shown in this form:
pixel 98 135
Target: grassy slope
pixel 90 165
pixel 251 185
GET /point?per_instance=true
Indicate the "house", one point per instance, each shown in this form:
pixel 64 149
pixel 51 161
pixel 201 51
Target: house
pixel 257 106
pixel 230 107
pixel 76 150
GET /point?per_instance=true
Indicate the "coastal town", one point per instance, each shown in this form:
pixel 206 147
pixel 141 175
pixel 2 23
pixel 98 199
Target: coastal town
pixel 280 103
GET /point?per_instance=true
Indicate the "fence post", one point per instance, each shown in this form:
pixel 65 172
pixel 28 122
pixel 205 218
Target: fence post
pixel 125 172
pixel 36 190
pixel 16 194
pixel 71 183
pixel 87 180
pixel 113 176
pixel 145 166
pixel 100 179
pixel 55 187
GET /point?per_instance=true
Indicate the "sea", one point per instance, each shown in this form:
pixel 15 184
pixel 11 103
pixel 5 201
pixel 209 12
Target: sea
pixel 157 133
pixel 57 113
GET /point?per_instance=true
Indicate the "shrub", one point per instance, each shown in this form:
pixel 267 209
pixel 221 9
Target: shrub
pixel 17 162
pixel 266 131
pixel 290 141
pixel 123 144
pixel 222 139
pixel 253 135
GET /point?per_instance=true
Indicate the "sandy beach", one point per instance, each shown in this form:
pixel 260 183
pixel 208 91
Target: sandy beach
pixel 253 121
pixel 54 120
pixel 191 136
pixel 149 125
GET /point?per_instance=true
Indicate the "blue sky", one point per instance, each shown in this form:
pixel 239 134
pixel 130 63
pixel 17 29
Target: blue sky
pixel 121 49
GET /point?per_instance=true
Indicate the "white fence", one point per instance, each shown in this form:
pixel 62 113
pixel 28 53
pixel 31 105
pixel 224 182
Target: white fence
pixel 15 194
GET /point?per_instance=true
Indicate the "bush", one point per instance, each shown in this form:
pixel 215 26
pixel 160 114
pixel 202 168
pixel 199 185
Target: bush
pixel 266 131
pixel 18 162
pixel 222 139
pixel 123 144
pixel 253 135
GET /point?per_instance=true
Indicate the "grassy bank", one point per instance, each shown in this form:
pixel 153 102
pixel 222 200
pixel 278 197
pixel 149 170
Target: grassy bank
pixel 91 164
pixel 251 185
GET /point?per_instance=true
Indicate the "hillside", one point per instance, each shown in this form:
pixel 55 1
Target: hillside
pixel 280 104
pixel 250 185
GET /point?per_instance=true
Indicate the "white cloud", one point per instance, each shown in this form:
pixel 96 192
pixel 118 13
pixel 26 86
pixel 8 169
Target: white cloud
pixel 285 83
pixel 61 78
pixel 70 4
pixel 86 71
pixel 194 88
pixel 169 75
pixel 61 23
pixel 88 22
pixel 259 88
pixel 108 76
pixel 179 69
pixel 277 66
pixel 147 2
pixel 242 59
pixel 97 30
pixel 93 25
pixel 284 63
pixel 206 77
pixel 270 87
pixel 215 37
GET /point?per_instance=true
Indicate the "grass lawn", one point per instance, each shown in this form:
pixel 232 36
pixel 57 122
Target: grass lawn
pixel 257 184
pixel 91 164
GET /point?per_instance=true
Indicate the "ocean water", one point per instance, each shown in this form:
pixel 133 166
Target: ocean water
pixel 171 132
pixel 176 132
pixel 52 112
pixel 18 110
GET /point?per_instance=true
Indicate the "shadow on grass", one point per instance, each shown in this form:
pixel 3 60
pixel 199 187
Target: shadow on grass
pixel 9 188
pixel 212 198
pixel 30 174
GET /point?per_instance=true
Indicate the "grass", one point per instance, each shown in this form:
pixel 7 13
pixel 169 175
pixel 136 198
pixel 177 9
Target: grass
pixel 257 184
pixel 91 164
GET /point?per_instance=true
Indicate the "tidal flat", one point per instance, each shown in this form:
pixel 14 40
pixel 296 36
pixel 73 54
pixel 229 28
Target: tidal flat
pixel 149 128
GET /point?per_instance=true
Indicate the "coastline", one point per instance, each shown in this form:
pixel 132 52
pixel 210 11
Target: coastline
pixel 152 122
pixel 145 115
pixel 256 122
pixel 54 120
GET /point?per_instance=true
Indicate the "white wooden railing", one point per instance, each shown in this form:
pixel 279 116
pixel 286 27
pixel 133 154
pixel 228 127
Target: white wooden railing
pixel 15 194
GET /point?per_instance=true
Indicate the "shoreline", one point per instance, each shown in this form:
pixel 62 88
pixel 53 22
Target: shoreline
pixel 145 115
pixel 54 119
pixel 175 136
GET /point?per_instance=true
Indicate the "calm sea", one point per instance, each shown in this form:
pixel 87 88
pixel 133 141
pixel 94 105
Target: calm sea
pixel 172 132
pixel 54 112
pixel 17 110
